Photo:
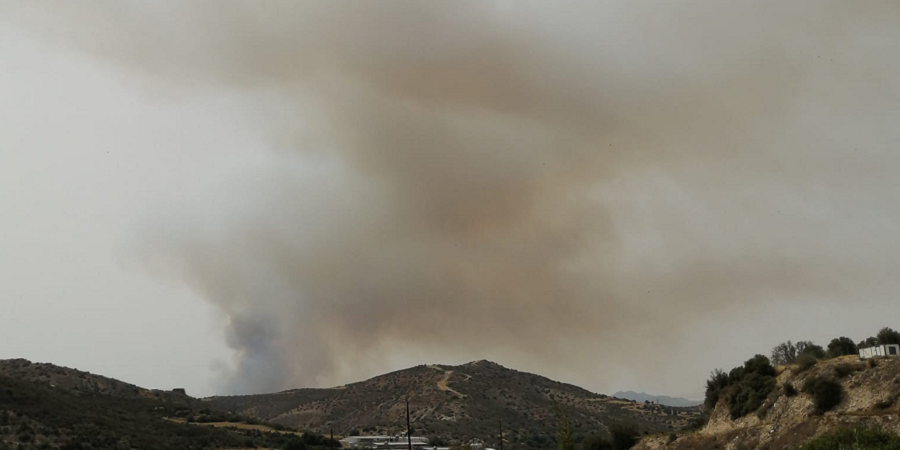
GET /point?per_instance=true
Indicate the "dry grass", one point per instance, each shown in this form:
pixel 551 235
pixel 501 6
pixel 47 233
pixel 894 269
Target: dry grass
pixel 238 425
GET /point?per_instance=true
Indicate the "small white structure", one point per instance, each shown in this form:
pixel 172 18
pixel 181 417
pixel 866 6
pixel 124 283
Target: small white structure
pixel 384 442
pixel 879 350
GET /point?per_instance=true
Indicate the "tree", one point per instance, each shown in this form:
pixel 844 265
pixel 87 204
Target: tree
pixel 888 336
pixel 868 342
pixel 759 364
pixel 841 346
pixel 784 353
pixel 809 348
pixel 566 437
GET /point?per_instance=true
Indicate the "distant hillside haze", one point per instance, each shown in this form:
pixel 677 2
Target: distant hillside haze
pixel 641 397
pixel 456 404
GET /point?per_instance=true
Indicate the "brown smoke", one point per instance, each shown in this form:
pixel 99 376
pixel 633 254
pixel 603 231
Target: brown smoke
pixel 563 185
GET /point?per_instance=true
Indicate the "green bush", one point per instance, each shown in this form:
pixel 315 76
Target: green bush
pixel 596 442
pixel 717 382
pixel 295 444
pixel 789 390
pixel 750 385
pixel 826 393
pixel 855 438
pixel 624 435
pixel 749 394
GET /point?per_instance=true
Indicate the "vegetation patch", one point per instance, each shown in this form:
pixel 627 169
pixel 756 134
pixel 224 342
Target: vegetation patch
pixel 826 393
pixel 789 390
pixel 846 369
pixel 855 438
pixel 750 385
pixel 805 362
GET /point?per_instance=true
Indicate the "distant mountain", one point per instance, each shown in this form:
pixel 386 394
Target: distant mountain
pixel 456 404
pixel 641 397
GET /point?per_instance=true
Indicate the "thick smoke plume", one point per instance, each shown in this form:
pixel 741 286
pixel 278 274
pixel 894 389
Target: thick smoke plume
pixel 588 186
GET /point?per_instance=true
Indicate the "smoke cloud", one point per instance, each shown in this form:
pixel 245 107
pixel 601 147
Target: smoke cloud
pixel 582 190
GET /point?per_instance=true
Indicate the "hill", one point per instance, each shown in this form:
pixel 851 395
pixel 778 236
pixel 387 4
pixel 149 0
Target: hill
pixel 642 397
pixel 456 404
pixel 46 406
pixel 789 418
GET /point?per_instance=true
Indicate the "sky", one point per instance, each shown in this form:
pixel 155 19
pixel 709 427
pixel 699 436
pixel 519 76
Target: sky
pixel 244 197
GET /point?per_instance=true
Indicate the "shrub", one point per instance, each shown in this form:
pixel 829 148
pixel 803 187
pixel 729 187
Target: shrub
pixel 750 385
pixel 872 363
pixel 697 422
pixel 826 393
pixel 855 438
pixel 25 436
pixel 596 442
pixel 717 382
pixel 789 390
pixel 673 437
pixel 763 410
pixel 805 362
pixel 749 394
pixel 885 404
pixel 295 444
pixel 842 370
pixel 624 435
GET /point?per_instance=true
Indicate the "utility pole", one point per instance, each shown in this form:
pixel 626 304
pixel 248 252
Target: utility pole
pixel 408 434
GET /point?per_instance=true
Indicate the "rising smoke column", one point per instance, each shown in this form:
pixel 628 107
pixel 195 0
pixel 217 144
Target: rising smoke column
pixel 556 188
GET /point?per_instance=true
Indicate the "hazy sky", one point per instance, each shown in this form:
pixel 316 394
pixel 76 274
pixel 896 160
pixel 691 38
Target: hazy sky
pixel 244 196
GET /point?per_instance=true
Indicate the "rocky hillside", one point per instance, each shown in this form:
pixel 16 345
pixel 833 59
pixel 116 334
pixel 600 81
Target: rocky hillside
pixel 789 417
pixel 43 406
pixel 80 383
pixel 457 403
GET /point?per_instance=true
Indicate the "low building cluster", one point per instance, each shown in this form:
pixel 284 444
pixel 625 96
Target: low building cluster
pixel 879 350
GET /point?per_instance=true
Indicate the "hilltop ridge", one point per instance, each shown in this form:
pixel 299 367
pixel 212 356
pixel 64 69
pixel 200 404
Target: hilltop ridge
pixel 456 403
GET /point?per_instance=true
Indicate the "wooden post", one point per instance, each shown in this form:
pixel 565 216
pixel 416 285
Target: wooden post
pixel 501 434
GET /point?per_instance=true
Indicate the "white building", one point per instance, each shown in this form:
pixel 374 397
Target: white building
pixel 386 442
pixel 880 350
